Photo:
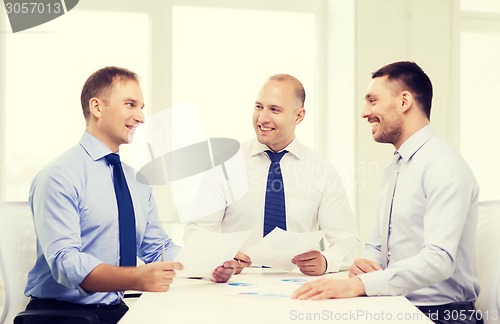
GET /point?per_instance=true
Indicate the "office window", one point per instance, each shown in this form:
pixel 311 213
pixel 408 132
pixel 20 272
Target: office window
pixel 221 58
pixel 214 53
pixel 480 85
pixel 46 68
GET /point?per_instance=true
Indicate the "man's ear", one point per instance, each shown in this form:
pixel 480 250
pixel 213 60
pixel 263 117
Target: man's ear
pixel 95 106
pixel 300 115
pixel 406 100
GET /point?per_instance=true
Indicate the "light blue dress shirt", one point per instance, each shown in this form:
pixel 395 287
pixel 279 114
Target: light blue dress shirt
pixel 76 221
pixel 433 225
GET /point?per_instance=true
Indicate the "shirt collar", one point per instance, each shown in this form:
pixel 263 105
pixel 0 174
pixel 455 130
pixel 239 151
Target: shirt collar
pixel 94 147
pixel 415 142
pixel 294 148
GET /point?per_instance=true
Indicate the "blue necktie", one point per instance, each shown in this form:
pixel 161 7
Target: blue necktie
pixel 274 208
pixel 126 215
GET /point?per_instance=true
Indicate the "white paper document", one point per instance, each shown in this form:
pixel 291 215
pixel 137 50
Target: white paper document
pixel 278 248
pixel 207 250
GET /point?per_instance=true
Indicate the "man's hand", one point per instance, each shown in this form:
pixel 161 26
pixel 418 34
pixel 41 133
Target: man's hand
pixel 224 272
pixel 311 263
pixel 243 261
pixel 157 276
pixel 361 266
pixel 330 288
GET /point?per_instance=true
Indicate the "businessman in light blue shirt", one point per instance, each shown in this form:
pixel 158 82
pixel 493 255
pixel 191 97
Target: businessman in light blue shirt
pixel 76 215
pixel 425 249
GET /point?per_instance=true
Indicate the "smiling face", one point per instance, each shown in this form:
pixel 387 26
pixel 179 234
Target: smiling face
pixel 382 103
pixel 277 112
pixel 116 115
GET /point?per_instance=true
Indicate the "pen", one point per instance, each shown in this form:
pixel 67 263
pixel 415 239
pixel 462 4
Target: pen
pixel 163 252
pixel 228 186
pixel 240 261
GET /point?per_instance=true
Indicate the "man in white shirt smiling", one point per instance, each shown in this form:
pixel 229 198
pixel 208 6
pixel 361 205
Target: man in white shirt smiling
pixel 313 192
pixel 424 248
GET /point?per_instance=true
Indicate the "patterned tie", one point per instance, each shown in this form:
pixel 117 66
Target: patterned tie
pixel 391 189
pixel 274 208
pixel 126 216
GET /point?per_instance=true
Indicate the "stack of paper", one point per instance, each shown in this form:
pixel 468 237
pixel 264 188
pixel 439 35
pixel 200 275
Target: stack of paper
pixel 207 250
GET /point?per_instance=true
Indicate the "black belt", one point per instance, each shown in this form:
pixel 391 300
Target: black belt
pixel 452 306
pixel 458 312
pixel 53 301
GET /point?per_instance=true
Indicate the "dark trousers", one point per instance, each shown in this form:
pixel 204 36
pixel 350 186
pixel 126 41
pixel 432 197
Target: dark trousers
pixel 106 313
pixel 454 313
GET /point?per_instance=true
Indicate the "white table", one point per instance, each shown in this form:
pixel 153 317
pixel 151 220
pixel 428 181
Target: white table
pixel 262 296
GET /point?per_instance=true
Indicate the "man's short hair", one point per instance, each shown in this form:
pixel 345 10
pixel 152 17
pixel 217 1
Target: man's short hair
pixel 99 84
pixel 410 77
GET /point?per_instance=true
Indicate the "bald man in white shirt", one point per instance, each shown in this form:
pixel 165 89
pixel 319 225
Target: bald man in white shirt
pixel 314 195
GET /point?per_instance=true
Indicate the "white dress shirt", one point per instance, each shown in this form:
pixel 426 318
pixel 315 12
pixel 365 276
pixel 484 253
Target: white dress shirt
pixel 433 224
pixel 314 194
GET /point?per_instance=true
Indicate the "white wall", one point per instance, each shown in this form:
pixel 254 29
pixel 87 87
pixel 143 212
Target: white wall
pixel 2 104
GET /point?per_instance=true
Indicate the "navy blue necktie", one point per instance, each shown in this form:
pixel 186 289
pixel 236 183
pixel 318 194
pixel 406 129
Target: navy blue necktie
pixel 126 215
pixel 274 208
